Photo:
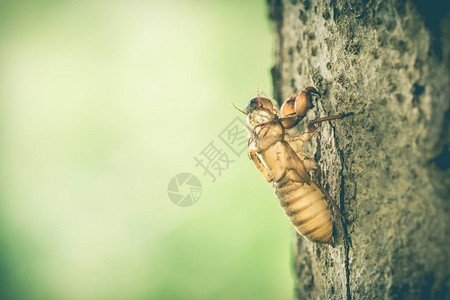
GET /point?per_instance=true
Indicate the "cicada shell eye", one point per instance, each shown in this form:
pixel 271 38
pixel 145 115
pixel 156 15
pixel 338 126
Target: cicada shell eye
pixel 288 107
pixel 252 104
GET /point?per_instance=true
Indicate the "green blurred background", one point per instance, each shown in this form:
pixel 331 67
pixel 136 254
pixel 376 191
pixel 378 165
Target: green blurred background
pixel 102 103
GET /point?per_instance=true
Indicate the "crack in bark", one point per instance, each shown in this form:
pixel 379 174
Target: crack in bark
pixel 347 241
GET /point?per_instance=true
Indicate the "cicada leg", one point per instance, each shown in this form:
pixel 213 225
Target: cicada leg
pixel 323 119
pixel 259 164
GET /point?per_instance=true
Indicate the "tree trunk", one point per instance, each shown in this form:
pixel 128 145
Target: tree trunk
pixel 388 165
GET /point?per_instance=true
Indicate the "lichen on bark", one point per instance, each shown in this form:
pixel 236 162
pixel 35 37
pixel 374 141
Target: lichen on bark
pixel 387 165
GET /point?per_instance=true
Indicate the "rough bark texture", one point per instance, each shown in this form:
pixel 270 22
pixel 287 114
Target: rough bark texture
pixel 388 165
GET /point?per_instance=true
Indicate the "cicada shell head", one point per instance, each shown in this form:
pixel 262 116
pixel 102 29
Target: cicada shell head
pixel 260 110
pixel 259 102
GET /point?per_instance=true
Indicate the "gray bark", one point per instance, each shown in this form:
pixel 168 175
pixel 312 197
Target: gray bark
pixel 388 165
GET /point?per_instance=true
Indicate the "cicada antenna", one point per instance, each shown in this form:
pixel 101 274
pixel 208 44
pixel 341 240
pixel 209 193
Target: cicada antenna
pixel 238 109
pixel 257 91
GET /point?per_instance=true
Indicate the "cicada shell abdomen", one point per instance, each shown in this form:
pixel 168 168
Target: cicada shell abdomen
pixel 307 210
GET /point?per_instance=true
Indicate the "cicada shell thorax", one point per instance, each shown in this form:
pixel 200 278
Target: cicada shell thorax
pixel 268 135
